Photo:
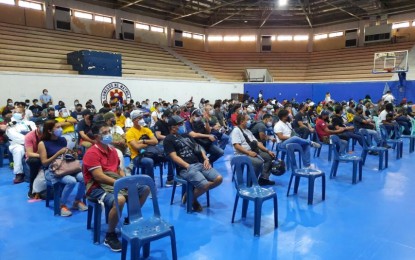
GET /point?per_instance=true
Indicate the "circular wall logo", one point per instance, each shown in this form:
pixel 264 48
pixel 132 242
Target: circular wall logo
pixel 115 92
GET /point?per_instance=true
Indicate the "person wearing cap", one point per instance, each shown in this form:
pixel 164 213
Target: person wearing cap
pixel 192 167
pixel 67 123
pixel 300 124
pixel 285 135
pixel 243 140
pixel 136 142
pixel 16 132
pixel 84 128
pixel 201 131
pixel 31 141
pixel 323 130
pixel 101 168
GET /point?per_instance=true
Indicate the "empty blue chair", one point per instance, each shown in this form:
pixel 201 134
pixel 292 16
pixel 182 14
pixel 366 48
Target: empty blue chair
pixel 367 147
pixel 397 142
pixel 141 231
pixel 317 151
pixel 411 138
pixel 252 192
pixel 356 160
pixel 310 174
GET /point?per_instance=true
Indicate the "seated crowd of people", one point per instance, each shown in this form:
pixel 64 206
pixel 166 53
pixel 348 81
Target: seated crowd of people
pixel 187 138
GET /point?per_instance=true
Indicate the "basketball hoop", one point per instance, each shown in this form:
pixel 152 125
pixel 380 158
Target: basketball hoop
pixel 389 70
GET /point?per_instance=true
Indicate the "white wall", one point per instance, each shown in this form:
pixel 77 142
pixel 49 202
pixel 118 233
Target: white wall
pixel 67 88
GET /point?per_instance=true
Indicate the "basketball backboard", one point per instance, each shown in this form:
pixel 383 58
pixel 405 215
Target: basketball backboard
pixel 390 62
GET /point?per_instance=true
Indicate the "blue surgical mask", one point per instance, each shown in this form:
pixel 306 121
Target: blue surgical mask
pixel 58 132
pixel 18 116
pixel 181 130
pixel 106 139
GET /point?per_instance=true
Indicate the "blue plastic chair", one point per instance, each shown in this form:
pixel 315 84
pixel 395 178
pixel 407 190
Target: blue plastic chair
pixel 95 209
pixel 253 192
pixel 356 160
pixel 141 231
pixel 411 138
pixel 317 151
pixel 136 170
pixel 397 142
pixel 367 146
pixel 285 157
pixel 57 191
pixel 187 188
pixel 310 174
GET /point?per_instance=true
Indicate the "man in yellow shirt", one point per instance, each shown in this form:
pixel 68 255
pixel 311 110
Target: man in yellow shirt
pixel 138 138
pixel 120 118
pixel 68 126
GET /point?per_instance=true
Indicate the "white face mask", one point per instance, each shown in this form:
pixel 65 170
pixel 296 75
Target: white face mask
pixel 45 92
pixel 269 124
pixel 141 122
pixel 65 114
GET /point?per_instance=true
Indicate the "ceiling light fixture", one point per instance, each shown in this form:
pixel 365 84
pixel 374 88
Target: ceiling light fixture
pixel 282 2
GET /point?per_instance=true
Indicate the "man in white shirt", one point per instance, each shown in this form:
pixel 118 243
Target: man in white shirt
pixel 16 132
pixel 285 135
pixel 260 156
pixel 388 97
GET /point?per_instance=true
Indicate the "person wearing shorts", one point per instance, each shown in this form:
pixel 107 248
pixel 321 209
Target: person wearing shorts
pixel 195 169
pixel 101 168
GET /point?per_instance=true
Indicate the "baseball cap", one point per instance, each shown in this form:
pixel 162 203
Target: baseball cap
pixel 40 120
pixel 325 113
pixel 175 120
pixel 108 116
pixel 86 112
pixel 195 111
pixel 136 114
pixel 167 113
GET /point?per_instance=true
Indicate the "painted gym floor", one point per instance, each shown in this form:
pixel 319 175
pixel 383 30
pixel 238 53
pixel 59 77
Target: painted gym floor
pixel 373 219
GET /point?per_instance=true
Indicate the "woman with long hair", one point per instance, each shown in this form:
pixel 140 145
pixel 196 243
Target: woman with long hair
pixel 51 147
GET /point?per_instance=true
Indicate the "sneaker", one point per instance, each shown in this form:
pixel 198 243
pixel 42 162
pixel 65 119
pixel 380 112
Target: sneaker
pixel 79 205
pixel 387 146
pixel 111 241
pixel 197 207
pixel 65 212
pixel 265 182
pixel 169 183
pixel 19 178
pixel 315 145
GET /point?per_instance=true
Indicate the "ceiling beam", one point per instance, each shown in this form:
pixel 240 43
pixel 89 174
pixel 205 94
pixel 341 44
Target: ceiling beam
pixel 266 19
pixel 343 10
pixel 305 13
pixel 207 9
pixel 130 4
pixel 238 12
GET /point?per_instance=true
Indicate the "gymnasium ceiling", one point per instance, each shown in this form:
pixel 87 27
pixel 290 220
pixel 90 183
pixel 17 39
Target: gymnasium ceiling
pixel 260 13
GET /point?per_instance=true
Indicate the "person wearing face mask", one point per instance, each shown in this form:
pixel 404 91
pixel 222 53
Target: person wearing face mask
pixel 245 143
pixel 192 167
pixel 84 129
pixel 45 98
pixel 119 118
pixel 52 146
pixel 16 131
pixel 286 135
pixel 35 108
pixel 156 114
pixel 200 130
pixel 136 143
pixel 9 105
pixel 118 137
pixel 216 129
pixel 31 143
pixel 259 130
pixel 68 126
pixel 101 168
pixel 300 124
pixel 77 113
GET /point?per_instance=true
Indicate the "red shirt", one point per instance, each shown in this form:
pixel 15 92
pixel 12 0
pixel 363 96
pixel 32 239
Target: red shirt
pixel 96 157
pixel 233 119
pixel 31 140
pixel 320 126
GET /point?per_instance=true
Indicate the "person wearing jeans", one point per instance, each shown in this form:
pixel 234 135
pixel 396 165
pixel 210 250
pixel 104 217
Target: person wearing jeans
pixel 52 146
pixel 284 133
pixel 137 143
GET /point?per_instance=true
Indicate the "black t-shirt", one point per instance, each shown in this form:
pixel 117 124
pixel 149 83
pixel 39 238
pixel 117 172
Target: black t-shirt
pixel 162 127
pixel 337 121
pixel 177 143
pixel 36 110
pixel 82 126
pixel 259 127
pixel 299 117
pixel 358 122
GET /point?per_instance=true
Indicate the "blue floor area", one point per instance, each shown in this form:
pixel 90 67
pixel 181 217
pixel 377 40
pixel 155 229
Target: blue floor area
pixel 373 219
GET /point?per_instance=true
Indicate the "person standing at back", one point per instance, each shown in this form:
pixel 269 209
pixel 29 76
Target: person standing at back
pixel 45 98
